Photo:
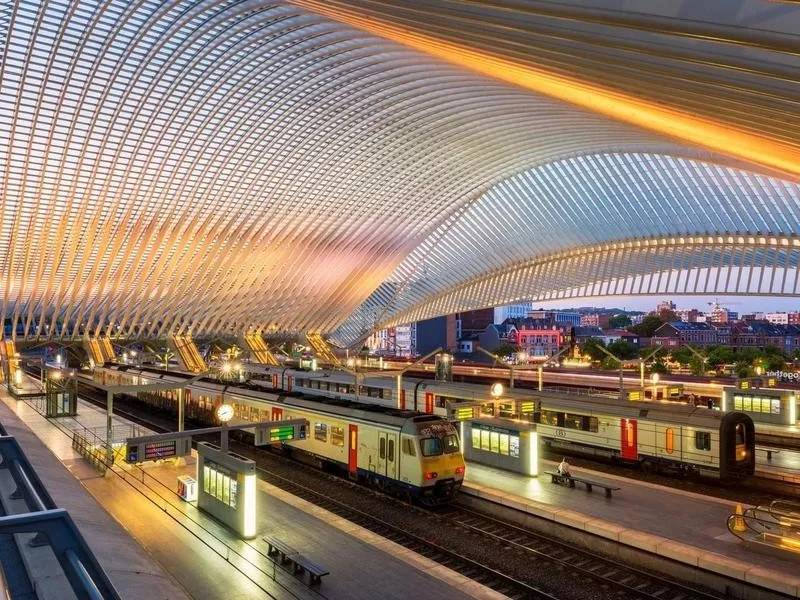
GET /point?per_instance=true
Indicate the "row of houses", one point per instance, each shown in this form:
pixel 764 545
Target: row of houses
pixel 542 338
pixel 754 334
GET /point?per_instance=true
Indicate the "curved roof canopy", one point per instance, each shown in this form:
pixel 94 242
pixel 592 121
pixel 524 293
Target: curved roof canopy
pixel 217 166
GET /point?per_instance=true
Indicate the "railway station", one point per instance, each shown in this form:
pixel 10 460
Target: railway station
pixel 271 286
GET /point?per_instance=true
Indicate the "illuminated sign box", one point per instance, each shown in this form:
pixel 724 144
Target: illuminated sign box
pixel 278 434
pixel 464 414
pixel 227 488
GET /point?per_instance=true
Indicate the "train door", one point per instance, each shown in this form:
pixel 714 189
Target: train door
pixel 383 453
pixel 352 452
pixel 274 381
pixel 277 413
pixel 402 399
pixel 392 452
pixel 429 402
pixel 288 383
pixel 628 445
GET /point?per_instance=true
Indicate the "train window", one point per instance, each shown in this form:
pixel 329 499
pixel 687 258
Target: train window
pixel 776 407
pixel 740 437
pixel 476 438
pixel 391 450
pixel 321 432
pixel 431 446
pixel 573 421
pixel 702 440
pixel 549 418
pixel 337 436
pixel 593 424
pixel 669 440
pixel 408 447
pixel 383 447
pixel 494 442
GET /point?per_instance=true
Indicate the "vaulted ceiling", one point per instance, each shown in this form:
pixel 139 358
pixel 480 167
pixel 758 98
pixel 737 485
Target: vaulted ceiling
pixel 220 166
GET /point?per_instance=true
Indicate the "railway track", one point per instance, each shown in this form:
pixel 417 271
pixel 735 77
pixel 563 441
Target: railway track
pixel 491 578
pixel 568 563
pixel 594 569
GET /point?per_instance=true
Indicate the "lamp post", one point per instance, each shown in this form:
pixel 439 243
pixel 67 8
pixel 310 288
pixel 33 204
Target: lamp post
pixel 642 362
pixel 621 379
pixel 497 392
pixel 224 414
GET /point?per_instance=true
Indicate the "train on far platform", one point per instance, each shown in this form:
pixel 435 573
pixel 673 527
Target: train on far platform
pixel 413 454
pixel 659 436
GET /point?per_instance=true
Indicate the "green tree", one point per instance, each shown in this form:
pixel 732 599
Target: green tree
pixel 590 348
pixel 661 353
pixel 506 350
pixel 619 321
pixel 666 315
pixel 742 369
pixel 720 355
pixel 682 356
pixel 774 362
pixel 696 365
pixel 622 349
pixel 647 327
pixel 660 367
pixel 610 364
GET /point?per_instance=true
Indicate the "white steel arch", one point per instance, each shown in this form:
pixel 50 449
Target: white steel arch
pixel 521 240
pixel 223 165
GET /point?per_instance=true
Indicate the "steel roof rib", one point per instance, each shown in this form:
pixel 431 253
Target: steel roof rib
pixel 218 166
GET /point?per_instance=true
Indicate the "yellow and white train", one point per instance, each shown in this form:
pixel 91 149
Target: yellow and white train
pixel 417 455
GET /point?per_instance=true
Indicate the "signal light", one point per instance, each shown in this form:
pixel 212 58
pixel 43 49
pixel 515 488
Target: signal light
pixel 460 470
pixel 431 475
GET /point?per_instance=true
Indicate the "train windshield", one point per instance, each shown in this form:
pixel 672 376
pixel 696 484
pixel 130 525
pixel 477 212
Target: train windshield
pixel 740 435
pixel 436 446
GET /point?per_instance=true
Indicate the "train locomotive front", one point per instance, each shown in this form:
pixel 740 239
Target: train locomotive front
pixel 439 470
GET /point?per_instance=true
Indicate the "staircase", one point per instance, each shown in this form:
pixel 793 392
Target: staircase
pixel 322 349
pixel 259 349
pixel 187 353
pixel 106 349
pixel 95 350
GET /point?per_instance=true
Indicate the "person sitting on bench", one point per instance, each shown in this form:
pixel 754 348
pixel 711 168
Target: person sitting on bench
pixel 563 468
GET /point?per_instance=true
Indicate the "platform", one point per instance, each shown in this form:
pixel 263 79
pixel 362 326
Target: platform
pixel 134 574
pixel 679 525
pixel 206 559
pixel 777 435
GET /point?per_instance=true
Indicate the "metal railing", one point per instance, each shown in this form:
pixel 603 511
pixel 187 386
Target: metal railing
pixel 53 527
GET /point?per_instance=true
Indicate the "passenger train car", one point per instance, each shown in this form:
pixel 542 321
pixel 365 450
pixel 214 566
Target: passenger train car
pixel 657 435
pixel 417 455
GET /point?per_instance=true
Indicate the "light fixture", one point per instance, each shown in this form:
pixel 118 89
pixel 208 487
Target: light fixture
pixel 497 390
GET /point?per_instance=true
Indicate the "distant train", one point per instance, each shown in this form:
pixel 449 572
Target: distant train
pixel 656 435
pixel 417 455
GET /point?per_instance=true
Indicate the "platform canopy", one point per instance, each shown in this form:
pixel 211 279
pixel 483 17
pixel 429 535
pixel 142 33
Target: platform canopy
pixel 335 167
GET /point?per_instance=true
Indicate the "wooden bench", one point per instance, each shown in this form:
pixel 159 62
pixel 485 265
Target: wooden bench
pixel 278 548
pixel 315 572
pixel 300 564
pixel 570 480
pixel 769 451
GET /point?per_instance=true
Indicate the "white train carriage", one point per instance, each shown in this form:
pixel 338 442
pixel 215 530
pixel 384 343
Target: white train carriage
pixel 418 455
pixel 654 434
